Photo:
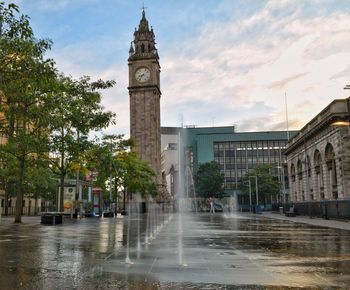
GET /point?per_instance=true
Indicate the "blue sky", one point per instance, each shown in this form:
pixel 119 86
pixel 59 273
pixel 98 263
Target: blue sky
pixel 223 62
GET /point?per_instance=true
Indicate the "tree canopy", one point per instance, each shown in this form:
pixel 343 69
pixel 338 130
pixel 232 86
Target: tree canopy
pixel 45 116
pixel 267 184
pixel 209 180
pixel 112 159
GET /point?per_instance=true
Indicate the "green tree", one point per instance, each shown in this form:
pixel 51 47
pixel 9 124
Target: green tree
pixel 113 161
pixel 25 84
pixel 102 159
pixel 77 112
pixel 209 180
pixel 267 184
pixel 7 177
pixel 136 175
pixel 40 182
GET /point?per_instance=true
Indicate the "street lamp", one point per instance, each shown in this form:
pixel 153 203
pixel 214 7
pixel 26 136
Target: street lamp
pixel 256 189
pixel 280 182
pixel 345 122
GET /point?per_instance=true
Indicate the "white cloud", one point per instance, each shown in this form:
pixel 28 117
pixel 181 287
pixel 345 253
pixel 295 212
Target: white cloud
pixel 258 59
pixel 238 70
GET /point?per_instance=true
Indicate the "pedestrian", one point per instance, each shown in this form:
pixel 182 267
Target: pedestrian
pixel 211 202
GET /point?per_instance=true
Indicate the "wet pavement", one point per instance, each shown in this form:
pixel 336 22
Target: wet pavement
pixel 191 251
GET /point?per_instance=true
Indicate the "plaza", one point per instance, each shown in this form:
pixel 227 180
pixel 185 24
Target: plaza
pixel 88 205
pixel 187 251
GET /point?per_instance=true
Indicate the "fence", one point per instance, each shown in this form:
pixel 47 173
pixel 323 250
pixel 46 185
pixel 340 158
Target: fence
pixel 27 211
pixel 335 209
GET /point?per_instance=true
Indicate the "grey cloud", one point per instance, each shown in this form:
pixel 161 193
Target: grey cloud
pixel 284 82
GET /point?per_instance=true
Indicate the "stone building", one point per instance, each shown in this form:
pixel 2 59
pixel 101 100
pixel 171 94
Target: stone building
pixel 144 92
pixel 318 156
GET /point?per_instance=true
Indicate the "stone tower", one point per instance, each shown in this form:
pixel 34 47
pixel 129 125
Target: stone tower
pixel 144 91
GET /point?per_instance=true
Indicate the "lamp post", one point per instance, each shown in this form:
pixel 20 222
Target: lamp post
pixel 280 179
pixel 347 87
pixel 256 190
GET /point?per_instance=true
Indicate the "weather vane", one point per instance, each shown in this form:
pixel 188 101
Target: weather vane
pixel 143 6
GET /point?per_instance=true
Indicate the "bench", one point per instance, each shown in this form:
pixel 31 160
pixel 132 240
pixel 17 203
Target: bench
pixel 290 212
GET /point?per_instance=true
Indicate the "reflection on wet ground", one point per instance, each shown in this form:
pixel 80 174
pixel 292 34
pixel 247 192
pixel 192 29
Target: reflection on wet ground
pixel 196 251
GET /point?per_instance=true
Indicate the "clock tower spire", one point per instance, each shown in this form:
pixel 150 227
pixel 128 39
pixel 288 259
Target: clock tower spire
pixel 144 93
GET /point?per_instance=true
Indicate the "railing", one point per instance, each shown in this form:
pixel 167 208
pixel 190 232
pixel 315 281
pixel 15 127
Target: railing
pixel 26 211
pixel 336 209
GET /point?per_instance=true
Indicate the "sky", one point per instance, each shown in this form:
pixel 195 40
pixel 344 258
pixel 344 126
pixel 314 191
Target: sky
pixel 223 62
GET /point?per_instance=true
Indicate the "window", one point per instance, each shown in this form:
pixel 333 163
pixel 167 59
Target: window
pixel 172 146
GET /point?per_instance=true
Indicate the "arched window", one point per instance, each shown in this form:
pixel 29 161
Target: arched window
pixel 292 172
pixel 142 48
pixel 300 170
pixel 319 174
pixel 308 166
pixel 309 188
pixel 332 171
pixel 292 189
pixel 300 178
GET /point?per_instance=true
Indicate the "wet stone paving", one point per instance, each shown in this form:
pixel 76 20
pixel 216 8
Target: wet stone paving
pixel 170 251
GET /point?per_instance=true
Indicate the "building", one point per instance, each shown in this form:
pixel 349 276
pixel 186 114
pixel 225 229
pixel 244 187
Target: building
pixel 318 160
pixel 3 140
pixel 236 152
pixel 144 92
pixel 170 157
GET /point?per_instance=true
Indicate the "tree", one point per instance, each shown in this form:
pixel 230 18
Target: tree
pixel 78 111
pixel 40 182
pixel 114 162
pixel 137 176
pixel 7 177
pixel 267 184
pixel 24 83
pixel 40 111
pixel 209 180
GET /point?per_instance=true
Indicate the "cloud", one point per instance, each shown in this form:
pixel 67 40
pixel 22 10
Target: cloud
pixel 283 83
pixel 235 64
pixel 235 69
pixel 54 5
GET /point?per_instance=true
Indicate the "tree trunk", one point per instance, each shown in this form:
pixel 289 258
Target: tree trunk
pixel 61 195
pixel 36 206
pixel 6 205
pixel 124 193
pixel 9 186
pixel 116 196
pixel 29 205
pixel 63 174
pixel 20 190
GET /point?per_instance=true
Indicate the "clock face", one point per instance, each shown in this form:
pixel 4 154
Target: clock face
pixel 142 75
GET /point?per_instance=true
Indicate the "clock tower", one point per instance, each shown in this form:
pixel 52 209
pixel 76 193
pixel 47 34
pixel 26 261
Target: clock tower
pixel 144 92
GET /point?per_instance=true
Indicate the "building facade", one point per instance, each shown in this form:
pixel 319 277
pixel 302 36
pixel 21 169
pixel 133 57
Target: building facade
pixel 3 140
pixel 236 152
pixel 318 156
pixel 144 92
pixel 170 158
